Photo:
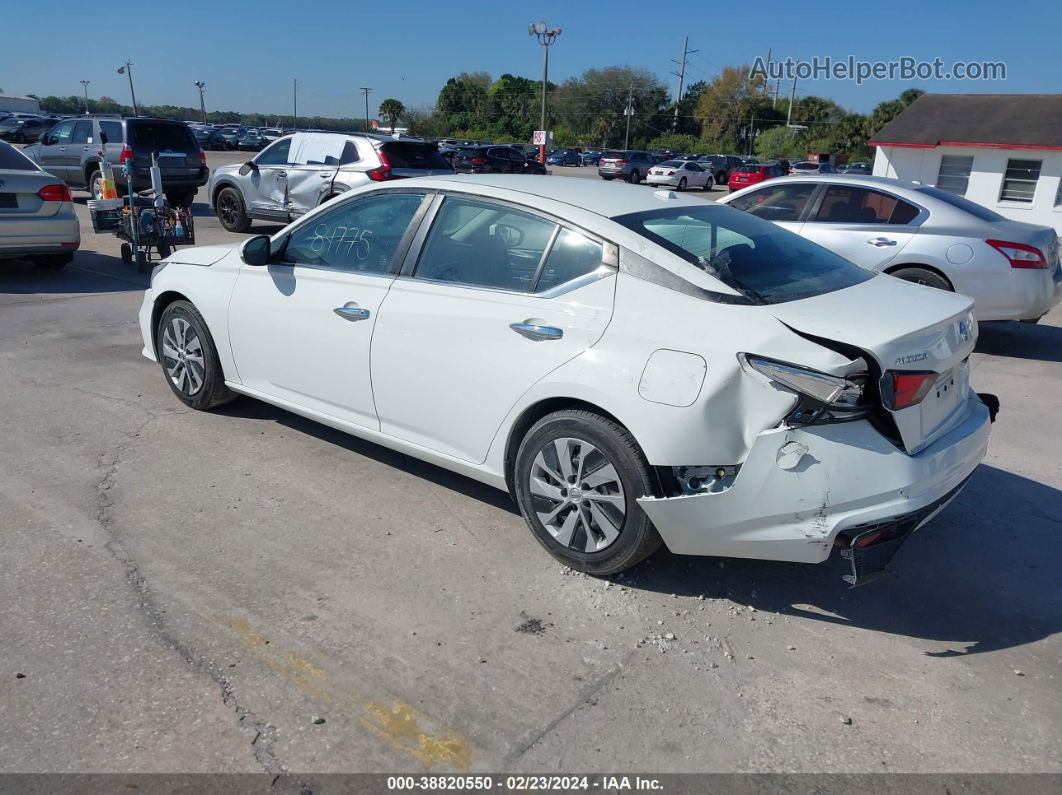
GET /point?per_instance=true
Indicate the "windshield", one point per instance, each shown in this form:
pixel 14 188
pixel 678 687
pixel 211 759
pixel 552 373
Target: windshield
pixel 976 210
pixel 763 262
pixel 160 137
pixel 671 163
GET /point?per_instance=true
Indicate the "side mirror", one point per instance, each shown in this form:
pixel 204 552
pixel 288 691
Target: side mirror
pixel 247 168
pixel 42 138
pixel 256 251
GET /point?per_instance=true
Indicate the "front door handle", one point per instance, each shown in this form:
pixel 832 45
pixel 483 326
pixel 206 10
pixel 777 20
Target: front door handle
pixel 881 241
pixel 535 331
pixel 352 313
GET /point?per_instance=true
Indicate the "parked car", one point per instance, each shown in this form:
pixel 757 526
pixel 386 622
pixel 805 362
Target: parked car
pixel 23 129
pixel 270 134
pixel 865 169
pixel 591 158
pixel 209 138
pixel 37 219
pixel 598 411
pixel 806 167
pixel 71 150
pixel 231 137
pixel 296 174
pixel 628 164
pixel 920 234
pixel 494 159
pixel 251 141
pixel 752 173
pixel 720 166
pixel 565 157
pixel 680 174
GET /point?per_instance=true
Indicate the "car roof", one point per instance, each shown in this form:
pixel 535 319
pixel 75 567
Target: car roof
pixel 595 196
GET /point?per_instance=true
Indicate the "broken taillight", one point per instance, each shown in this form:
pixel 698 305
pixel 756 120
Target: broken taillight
pixel 903 390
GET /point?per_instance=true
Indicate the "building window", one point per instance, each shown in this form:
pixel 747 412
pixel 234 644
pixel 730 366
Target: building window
pixel 954 175
pixel 1019 181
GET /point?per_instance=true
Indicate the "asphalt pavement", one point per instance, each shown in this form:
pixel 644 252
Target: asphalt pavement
pixel 245 591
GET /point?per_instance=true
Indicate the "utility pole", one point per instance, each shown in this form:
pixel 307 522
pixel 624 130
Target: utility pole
pixel 85 85
pixel 366 90
pixel 792 99
pixel 628 112
pixel 681 75
pixel 752 132
pixel 767 77
pixel 777 88
pixel 546 36
pixel 294 102
pixel 202 105
pixel 128 70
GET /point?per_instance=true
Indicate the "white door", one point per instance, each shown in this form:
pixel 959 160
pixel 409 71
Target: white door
pixel 300 327
pixel 314 160
pixel 696 177
pixel 867 227
pixel 499 298
pixel 783 203
pixel 269 180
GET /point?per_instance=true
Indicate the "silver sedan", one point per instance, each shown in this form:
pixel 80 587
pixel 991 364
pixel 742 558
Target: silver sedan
pixel 37 220
pixel 921 234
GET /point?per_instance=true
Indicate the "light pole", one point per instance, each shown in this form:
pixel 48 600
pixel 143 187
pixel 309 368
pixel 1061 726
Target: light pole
pixel 366 90
pixel 202 105
pixel 85 84
pixel 546 37
pixel 128 70
pixel 628 112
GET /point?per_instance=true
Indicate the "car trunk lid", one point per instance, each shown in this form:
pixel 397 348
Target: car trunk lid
pixel 904 329
pixel 415 159
pixel 18 194
pixel 176 147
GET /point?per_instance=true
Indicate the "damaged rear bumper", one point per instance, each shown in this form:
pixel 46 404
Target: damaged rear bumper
pixel 850 476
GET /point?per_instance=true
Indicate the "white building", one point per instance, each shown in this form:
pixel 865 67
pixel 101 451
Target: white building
pixel 1003 151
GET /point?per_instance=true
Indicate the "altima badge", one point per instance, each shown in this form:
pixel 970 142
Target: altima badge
pixel 912 357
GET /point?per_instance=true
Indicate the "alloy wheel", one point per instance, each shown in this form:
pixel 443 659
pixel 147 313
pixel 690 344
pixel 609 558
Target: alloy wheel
pixel 577 495
pixel 182 353
pixel 227 208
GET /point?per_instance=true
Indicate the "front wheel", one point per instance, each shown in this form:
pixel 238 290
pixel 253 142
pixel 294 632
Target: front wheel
pixel 189 359
pixel 231 212
pixel 577 478
pixel 922 276
pixel 708 184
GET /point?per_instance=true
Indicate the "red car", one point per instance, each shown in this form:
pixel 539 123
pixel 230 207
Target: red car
pixel 751 173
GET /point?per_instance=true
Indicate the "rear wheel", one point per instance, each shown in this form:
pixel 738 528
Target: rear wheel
pixel 708 183
pixel 164 250
pixel 682 184
pixel 577 478
pixel 53 262
pixel 189 359
pixel 634 177
pixel 922 276
pixel 231 212
pixel 95 184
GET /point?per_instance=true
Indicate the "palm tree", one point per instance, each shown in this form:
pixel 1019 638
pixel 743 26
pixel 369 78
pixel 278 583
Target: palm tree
pixel 392 109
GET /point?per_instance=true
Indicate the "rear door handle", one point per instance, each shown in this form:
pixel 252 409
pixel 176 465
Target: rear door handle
pixel 352 313
pixel 534 331
pixel 881 241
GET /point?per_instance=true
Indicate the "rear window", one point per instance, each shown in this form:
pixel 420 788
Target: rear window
pixel 672 163
pixel 113 131
pixel 468 152
pixel 13 160
pixel 976 210
pixel 763 262
pixel 404 154
pixel 159 137
pixel 614 156
pixel 753 169
pixel 806 166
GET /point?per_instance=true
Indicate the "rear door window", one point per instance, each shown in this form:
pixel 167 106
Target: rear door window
pixel 573 255
pixel 82 132
pixel 778 203
pixel 113 131
pixel 853 205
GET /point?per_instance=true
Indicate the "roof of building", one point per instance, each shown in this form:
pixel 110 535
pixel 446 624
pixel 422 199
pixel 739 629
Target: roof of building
pixel 1005 121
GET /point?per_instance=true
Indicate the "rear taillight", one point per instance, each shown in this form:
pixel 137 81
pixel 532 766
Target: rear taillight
pixel 620 162
pixel 903 390
pixel 202 157
pixel 381 173
pixel 127 154
pixel 478 161
pixel 55 193
pixel 671 173
pixel 1019 255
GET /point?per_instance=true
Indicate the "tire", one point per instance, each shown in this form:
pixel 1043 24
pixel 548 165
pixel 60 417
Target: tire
pixel 230 210
pixel 722 178
pixel 634 177
pixel 708 183
pixel 164 250
pixel 682 184
pixel 180 198
pixel 127 253
pixel 95 184
pixel 611 526
pixel 922 276
pixel 196 380
pixel 608 179
pixel 53 262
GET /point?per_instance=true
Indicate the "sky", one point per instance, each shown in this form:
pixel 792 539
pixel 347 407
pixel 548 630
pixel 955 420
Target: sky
pixel 249 53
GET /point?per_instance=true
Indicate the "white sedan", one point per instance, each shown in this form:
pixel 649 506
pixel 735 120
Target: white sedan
pixel 632 367
pixel 680 174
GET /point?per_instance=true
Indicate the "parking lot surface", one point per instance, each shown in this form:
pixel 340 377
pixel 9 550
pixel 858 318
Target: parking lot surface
pixel 246 591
